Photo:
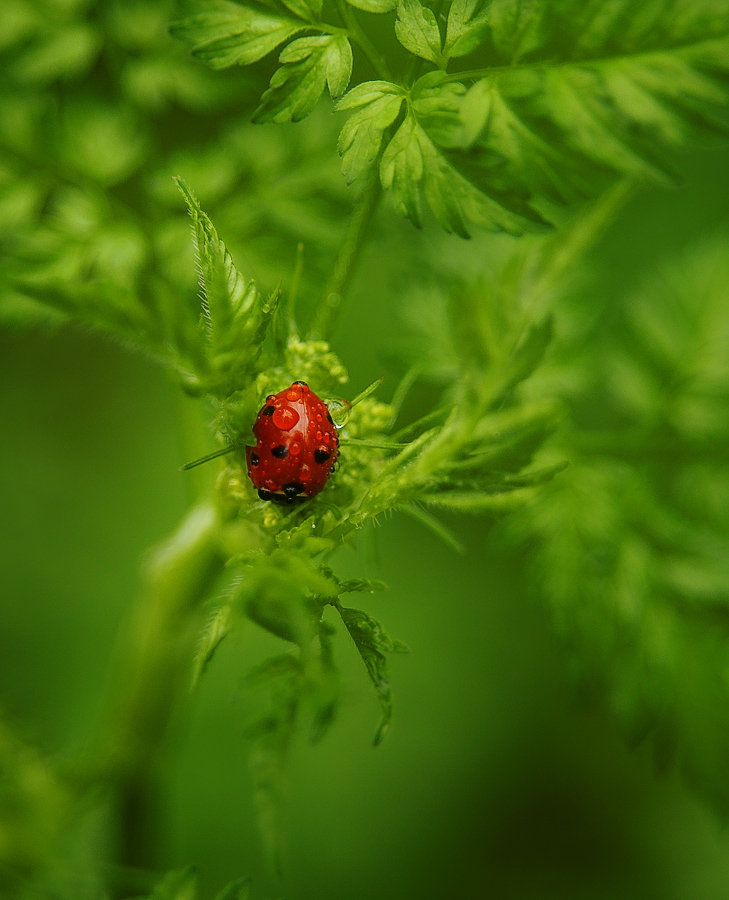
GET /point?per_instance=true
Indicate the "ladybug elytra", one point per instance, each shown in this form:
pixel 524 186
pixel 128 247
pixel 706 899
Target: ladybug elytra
pixel 296 448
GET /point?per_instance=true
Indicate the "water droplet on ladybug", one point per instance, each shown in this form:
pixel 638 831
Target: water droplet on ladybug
pixel 285 418
pixel 293 395
pixel 318 435
pixel 295 448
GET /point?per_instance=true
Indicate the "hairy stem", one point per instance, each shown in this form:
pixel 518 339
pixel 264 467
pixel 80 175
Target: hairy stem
pixel 325 315
pixel 374 57
pixel 159 647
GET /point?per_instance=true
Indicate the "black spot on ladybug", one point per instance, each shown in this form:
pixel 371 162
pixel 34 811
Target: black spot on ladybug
pixel 292 489
pixel 321 455
pixel 268 410
pixel 302 383
pixel 254 459
pixel 280 452
pixel 329 416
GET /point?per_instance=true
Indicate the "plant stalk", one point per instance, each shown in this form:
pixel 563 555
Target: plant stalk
pixel 159 647
pixel 325 315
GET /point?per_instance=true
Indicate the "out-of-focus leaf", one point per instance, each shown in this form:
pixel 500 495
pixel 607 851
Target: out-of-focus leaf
pixel 240 889
pixel 215 630
pixel 177 885
pixel 374 6
pixel 575 95
pixel 630 548
pixel 372 644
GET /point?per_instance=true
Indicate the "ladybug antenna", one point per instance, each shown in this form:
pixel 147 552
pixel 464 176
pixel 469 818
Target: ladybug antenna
pixel 341 409
pixel 203 459
pixel 367 391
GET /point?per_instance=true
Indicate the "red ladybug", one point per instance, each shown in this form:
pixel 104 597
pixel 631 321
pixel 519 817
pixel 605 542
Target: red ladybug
pixel 297 445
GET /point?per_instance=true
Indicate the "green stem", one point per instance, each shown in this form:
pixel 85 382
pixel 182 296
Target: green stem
pixel 374 57
pixel 325 315
pixel 160 643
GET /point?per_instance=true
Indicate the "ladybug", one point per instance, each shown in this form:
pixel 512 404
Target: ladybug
pixel 297 445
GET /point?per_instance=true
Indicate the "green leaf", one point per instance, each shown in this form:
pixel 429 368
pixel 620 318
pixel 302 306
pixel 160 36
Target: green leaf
pixel 309 64
pixel 59 52
pixel 402 170
pixel 360 140
pixel 467 24
pixel 87 263
pixel 577 97
pixel 178 885
pixel 309 10
pixel 360 586
pixel 240 889
pixel 215 630
pixel 322 685
pixel 225 33
pixel 36 806
pixel 372 644
pixel 374 6
pixel 417 30
pixel 630 549
pixel 237 315
pixel 105 144
pixel 477 503
pixel 413 165
pixel 435 525
pixel 271 738
pixel 339 66
pixel 529 352
pixel 284 593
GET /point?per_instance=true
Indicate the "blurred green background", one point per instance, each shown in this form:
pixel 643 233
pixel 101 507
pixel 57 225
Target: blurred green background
pixel 495 781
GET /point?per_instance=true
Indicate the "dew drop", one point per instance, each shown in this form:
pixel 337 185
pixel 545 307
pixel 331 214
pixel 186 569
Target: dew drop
pixel 295 448
pixel 285 418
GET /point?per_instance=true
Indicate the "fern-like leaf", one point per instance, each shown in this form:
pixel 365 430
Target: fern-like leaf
pixel 632 547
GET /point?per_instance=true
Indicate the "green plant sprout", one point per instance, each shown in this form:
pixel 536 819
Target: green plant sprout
pixel 535 119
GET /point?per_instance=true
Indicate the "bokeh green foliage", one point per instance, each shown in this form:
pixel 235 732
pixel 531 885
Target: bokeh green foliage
pixel 553 100
pixel 99 107
pixel 634 553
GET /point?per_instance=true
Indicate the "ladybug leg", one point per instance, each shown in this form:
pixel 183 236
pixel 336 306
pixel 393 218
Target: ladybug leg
pixel 292 490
